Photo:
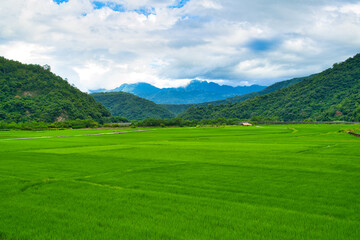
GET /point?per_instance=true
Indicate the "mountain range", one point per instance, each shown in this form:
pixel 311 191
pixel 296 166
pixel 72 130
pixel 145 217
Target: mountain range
pixel 33 93
pixel 133 107
pixel 195 92
pixel 180 108
pixel 333 94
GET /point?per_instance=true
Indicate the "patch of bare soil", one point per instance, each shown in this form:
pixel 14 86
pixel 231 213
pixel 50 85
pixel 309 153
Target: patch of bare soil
pixel 354 134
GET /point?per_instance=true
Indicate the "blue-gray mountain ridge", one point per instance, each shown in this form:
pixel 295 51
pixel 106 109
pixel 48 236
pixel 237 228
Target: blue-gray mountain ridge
pixel 195 92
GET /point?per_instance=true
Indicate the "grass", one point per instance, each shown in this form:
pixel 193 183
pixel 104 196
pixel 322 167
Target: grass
pixel 266 182
pixel 356 130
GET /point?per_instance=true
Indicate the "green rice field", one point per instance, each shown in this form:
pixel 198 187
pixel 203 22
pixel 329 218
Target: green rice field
pixel 261 182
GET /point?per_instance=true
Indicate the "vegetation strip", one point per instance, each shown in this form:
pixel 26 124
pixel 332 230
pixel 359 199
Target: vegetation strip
pixel 82 135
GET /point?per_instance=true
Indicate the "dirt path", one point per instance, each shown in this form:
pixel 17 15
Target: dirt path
pixel 354 134
pixel 82 135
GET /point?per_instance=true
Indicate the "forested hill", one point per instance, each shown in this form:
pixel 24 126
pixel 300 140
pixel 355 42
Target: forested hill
pixel 272 88
pixel 331 95
pixel 130 106
pixel 33 93
pixel 180 108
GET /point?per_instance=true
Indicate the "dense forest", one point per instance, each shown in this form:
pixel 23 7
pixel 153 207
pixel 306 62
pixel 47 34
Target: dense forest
pixel 180 108
pixel 130 106
pixel 33 93
pixel 331 95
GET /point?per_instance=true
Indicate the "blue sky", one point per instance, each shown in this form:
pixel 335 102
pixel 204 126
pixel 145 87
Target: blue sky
pixel 104 43
pixel 259 45
pixel 179 4
pixel 60 1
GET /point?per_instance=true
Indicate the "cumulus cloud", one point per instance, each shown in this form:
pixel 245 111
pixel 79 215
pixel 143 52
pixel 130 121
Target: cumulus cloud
pixel 104 43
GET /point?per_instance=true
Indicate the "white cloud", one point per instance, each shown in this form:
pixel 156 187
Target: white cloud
pixel 260 68
pixel 26 52
pixel 350 8
pixel 228 41
pixel 207 4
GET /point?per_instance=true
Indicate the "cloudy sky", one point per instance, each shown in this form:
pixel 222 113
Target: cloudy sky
pixel 104 43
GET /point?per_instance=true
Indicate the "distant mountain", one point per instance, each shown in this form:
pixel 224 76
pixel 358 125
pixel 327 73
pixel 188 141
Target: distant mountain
pixel 333 94
pixel 130 106
pixel 195 92
pixel 180 108
pixel 139 89
pixel 98 90
pixel 33 93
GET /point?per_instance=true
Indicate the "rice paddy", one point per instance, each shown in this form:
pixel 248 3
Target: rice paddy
pixel 260 182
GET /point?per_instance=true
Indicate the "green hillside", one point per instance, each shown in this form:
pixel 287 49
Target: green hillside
pixel 272 88
pixel 331 95
pixel 33 93
pixel 130 106
pixel 180 108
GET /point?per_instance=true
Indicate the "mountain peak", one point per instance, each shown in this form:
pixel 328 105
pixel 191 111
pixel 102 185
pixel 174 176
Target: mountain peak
pixel 136 88
pixel 196 91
